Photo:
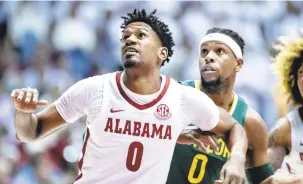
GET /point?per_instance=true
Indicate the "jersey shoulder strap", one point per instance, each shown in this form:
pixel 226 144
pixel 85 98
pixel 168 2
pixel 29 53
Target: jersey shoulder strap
pixel 192 83
pixel 239 109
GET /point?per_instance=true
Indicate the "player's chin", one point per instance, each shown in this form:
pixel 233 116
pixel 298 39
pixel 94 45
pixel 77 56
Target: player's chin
pixel 131 60
pixel 209 79
pixel 130 63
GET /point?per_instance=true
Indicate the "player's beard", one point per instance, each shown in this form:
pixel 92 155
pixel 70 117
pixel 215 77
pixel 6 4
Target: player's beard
pixel 215 86
pixel 130 63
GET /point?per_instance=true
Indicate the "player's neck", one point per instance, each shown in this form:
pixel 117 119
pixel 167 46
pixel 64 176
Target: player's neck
pixel 146 84
pixel 223 99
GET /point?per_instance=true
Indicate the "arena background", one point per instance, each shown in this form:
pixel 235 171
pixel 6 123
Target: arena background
pixel 51 45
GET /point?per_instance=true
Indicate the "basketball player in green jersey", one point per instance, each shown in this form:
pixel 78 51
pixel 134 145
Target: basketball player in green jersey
pixel 220 59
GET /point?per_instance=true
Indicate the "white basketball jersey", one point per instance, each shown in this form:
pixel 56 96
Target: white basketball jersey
pixel 293 163
pixel 127 142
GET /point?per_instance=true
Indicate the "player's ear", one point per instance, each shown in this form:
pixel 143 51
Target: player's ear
pixel 239 64
pixel 162 53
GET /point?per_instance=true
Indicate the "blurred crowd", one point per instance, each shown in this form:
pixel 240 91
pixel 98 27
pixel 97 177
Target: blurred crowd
pixel 51 45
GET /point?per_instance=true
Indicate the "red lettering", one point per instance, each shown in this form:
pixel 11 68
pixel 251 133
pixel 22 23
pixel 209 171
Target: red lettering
pixel 109 125
pixel 167 133
pixel 137 126
pixel 133 161
pixel 145 132
pixel 157 131
pixel 118 130
pixel 127 128
pixel 138 129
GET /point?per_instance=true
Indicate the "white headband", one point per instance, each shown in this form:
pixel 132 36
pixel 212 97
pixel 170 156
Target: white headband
pixel 224 39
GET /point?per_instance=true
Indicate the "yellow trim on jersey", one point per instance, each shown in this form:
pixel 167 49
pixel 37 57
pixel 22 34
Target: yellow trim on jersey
pixel 234 104
pixel 198 84
pixel 235 97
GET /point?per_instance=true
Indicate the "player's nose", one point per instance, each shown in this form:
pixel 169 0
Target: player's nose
pixel 210 57
pixel 131 40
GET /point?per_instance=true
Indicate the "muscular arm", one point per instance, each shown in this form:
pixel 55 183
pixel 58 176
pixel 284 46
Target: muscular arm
pixel 257 139
pixel 208 117
pixel 279 140
pixel 258 167
pixel 68 108
pixel 236 135
pixel 30 126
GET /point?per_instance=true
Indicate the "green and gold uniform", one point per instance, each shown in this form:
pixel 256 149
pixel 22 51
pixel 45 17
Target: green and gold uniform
pixel 190 165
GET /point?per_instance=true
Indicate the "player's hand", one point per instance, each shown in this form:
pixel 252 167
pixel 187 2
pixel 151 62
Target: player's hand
pixel 218 182
pixel 233 172
pixel 193 137
pixel 26 100
pixel 283 178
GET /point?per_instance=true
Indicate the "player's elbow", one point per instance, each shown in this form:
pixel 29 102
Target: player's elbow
pixel 25 138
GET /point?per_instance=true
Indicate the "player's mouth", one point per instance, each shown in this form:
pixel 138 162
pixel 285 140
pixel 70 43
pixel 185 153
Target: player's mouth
pixel 208 70
pixel 129 51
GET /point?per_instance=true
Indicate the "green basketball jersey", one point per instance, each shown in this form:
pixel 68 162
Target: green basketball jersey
pixel 190 165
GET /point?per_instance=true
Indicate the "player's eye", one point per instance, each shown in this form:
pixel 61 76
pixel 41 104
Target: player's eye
pixel 124 37
pixel 204 51
pixel 220 51
pixel 141 35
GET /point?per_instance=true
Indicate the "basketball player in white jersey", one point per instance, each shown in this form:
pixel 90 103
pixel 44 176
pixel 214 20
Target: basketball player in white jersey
pixel 134 118
pixel 286 138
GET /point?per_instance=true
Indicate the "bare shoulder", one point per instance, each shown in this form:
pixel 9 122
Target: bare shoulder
pixel 282 123
pixel 254 121
pixel 280 135
pixel 256 129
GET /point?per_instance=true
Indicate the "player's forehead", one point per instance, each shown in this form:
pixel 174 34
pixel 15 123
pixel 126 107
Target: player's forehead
pixel 301 66
pixel 214 44
pixel 137 26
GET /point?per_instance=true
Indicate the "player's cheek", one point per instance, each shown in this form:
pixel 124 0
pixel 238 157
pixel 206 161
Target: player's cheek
pixel 201 62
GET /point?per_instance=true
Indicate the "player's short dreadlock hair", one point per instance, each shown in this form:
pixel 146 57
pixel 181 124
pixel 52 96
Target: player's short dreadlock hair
pixel 232 34
pixel 287 64
pixel 156 24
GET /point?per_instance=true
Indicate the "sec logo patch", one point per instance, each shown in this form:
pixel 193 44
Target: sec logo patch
pixel 162 112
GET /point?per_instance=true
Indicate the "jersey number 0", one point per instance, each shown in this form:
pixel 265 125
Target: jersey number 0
pixel 193 168
pixel 133 160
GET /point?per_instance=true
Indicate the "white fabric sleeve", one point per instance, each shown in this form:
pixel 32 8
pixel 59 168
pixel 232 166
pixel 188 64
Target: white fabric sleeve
pixel 78 99
pixel 200 109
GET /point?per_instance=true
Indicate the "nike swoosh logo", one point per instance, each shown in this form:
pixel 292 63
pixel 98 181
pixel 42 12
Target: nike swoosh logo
pixel 114 111
pixel 301 143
